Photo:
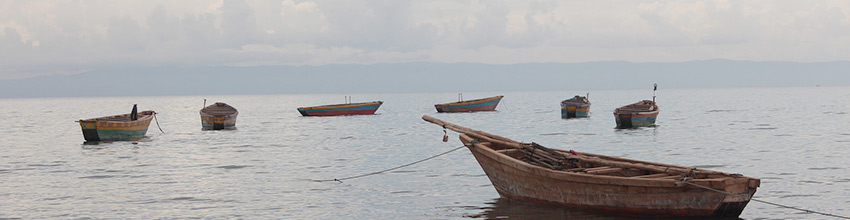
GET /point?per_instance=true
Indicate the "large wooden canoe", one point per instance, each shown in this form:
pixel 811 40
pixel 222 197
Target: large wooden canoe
pixel 638 114
pixel 218 116
pixel 363 108
pixel 117 127
pixel 530 172
pixel 575 107
pixel 485 104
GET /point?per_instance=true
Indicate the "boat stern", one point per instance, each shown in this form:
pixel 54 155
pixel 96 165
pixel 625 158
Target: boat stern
pixel 89 130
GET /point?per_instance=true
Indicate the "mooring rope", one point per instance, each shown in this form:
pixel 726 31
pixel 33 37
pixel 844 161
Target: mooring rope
pixel 390 169
pixel 157 122
pixel 685 180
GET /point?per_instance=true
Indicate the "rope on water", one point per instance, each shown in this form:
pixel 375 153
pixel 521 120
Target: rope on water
pixel 685 180
pixel 157 122
pixel 383 171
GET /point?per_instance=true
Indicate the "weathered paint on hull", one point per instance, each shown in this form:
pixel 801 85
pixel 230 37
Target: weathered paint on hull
pixel 515 181
pixel 630 121
pixel 115 130
pixel 113 135
pixel 218 123
pixel 360 110
pixel 472 107
pixel 218 126
pixel 572 111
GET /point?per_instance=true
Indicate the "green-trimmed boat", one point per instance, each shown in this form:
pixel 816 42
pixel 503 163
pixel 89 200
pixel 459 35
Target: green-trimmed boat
pixel 124 127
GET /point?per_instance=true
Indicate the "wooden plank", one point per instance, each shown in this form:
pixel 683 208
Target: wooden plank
pixel 671 177
pixel 605 171
pixel 652 175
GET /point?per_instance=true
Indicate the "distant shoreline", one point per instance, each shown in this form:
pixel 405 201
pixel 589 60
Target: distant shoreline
pixel 425 77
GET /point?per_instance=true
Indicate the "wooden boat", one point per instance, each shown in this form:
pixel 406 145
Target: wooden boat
pixel 576 107
pixel 362 108
pixel 218 116
pixel 530 172
pixel 124 127
pixel 638 114
pixel 485 104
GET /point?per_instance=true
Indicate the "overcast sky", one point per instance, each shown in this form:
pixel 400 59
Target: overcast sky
pixel 39 37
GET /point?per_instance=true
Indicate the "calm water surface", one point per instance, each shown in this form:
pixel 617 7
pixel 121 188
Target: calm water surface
pixel 795 139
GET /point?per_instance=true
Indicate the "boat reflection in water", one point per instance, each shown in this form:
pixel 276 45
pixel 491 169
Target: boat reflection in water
pixel 504 208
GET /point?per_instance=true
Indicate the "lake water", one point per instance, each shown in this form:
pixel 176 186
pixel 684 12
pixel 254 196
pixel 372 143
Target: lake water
pixel 795 139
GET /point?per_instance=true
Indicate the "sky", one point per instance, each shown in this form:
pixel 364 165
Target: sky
pixel 50 37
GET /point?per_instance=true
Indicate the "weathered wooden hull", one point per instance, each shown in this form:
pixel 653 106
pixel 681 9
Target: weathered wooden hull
pixel 218 116
pixel 575 110
pixel 519 180
pixel 485 104
pixel 101 129
pixel 365 108
pixel 634 119
pixel 218 123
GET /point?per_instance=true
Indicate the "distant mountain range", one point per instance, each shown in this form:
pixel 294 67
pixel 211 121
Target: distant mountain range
pixel 425 77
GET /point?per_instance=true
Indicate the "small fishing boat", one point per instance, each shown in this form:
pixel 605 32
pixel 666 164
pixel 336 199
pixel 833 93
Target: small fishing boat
pixel 593 182
pixel 576 107
pixel 362 108
pixel 218 116
pixel 485 104
pixel 124 127
pixel 638 114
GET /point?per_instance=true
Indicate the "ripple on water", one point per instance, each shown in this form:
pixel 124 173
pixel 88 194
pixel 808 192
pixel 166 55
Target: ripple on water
pixel 810 181
pixel 99 177
pixel 798 195
pixel 825 168
pixel 44 165
pixel 720 110
pixel 763 128
pixel 230 167
pixel 709 166
pixel 558 133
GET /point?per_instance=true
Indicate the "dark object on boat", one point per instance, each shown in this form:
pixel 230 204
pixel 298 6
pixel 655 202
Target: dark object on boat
pixel 218 116
pixel 530 172
pixel 638 114
pixel 124 127
pixel 134 114
pixel 576 107
pixel 485 104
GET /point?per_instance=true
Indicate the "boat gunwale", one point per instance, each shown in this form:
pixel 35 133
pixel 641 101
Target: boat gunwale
pixel 345 105
pixel 228 110
pixel 472 101
pixel 576 101
pixel 653 110
pixel 143 115
pixel 597 178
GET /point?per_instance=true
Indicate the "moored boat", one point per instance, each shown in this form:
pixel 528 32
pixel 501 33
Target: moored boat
pixel 362 108
pixel 575 107
pixel 530 172
pixel 218 116
pixel 638 114
pixel 124 127
pixel 485 104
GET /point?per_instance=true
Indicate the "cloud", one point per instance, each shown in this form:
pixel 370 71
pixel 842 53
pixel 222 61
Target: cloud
pixel 73 35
